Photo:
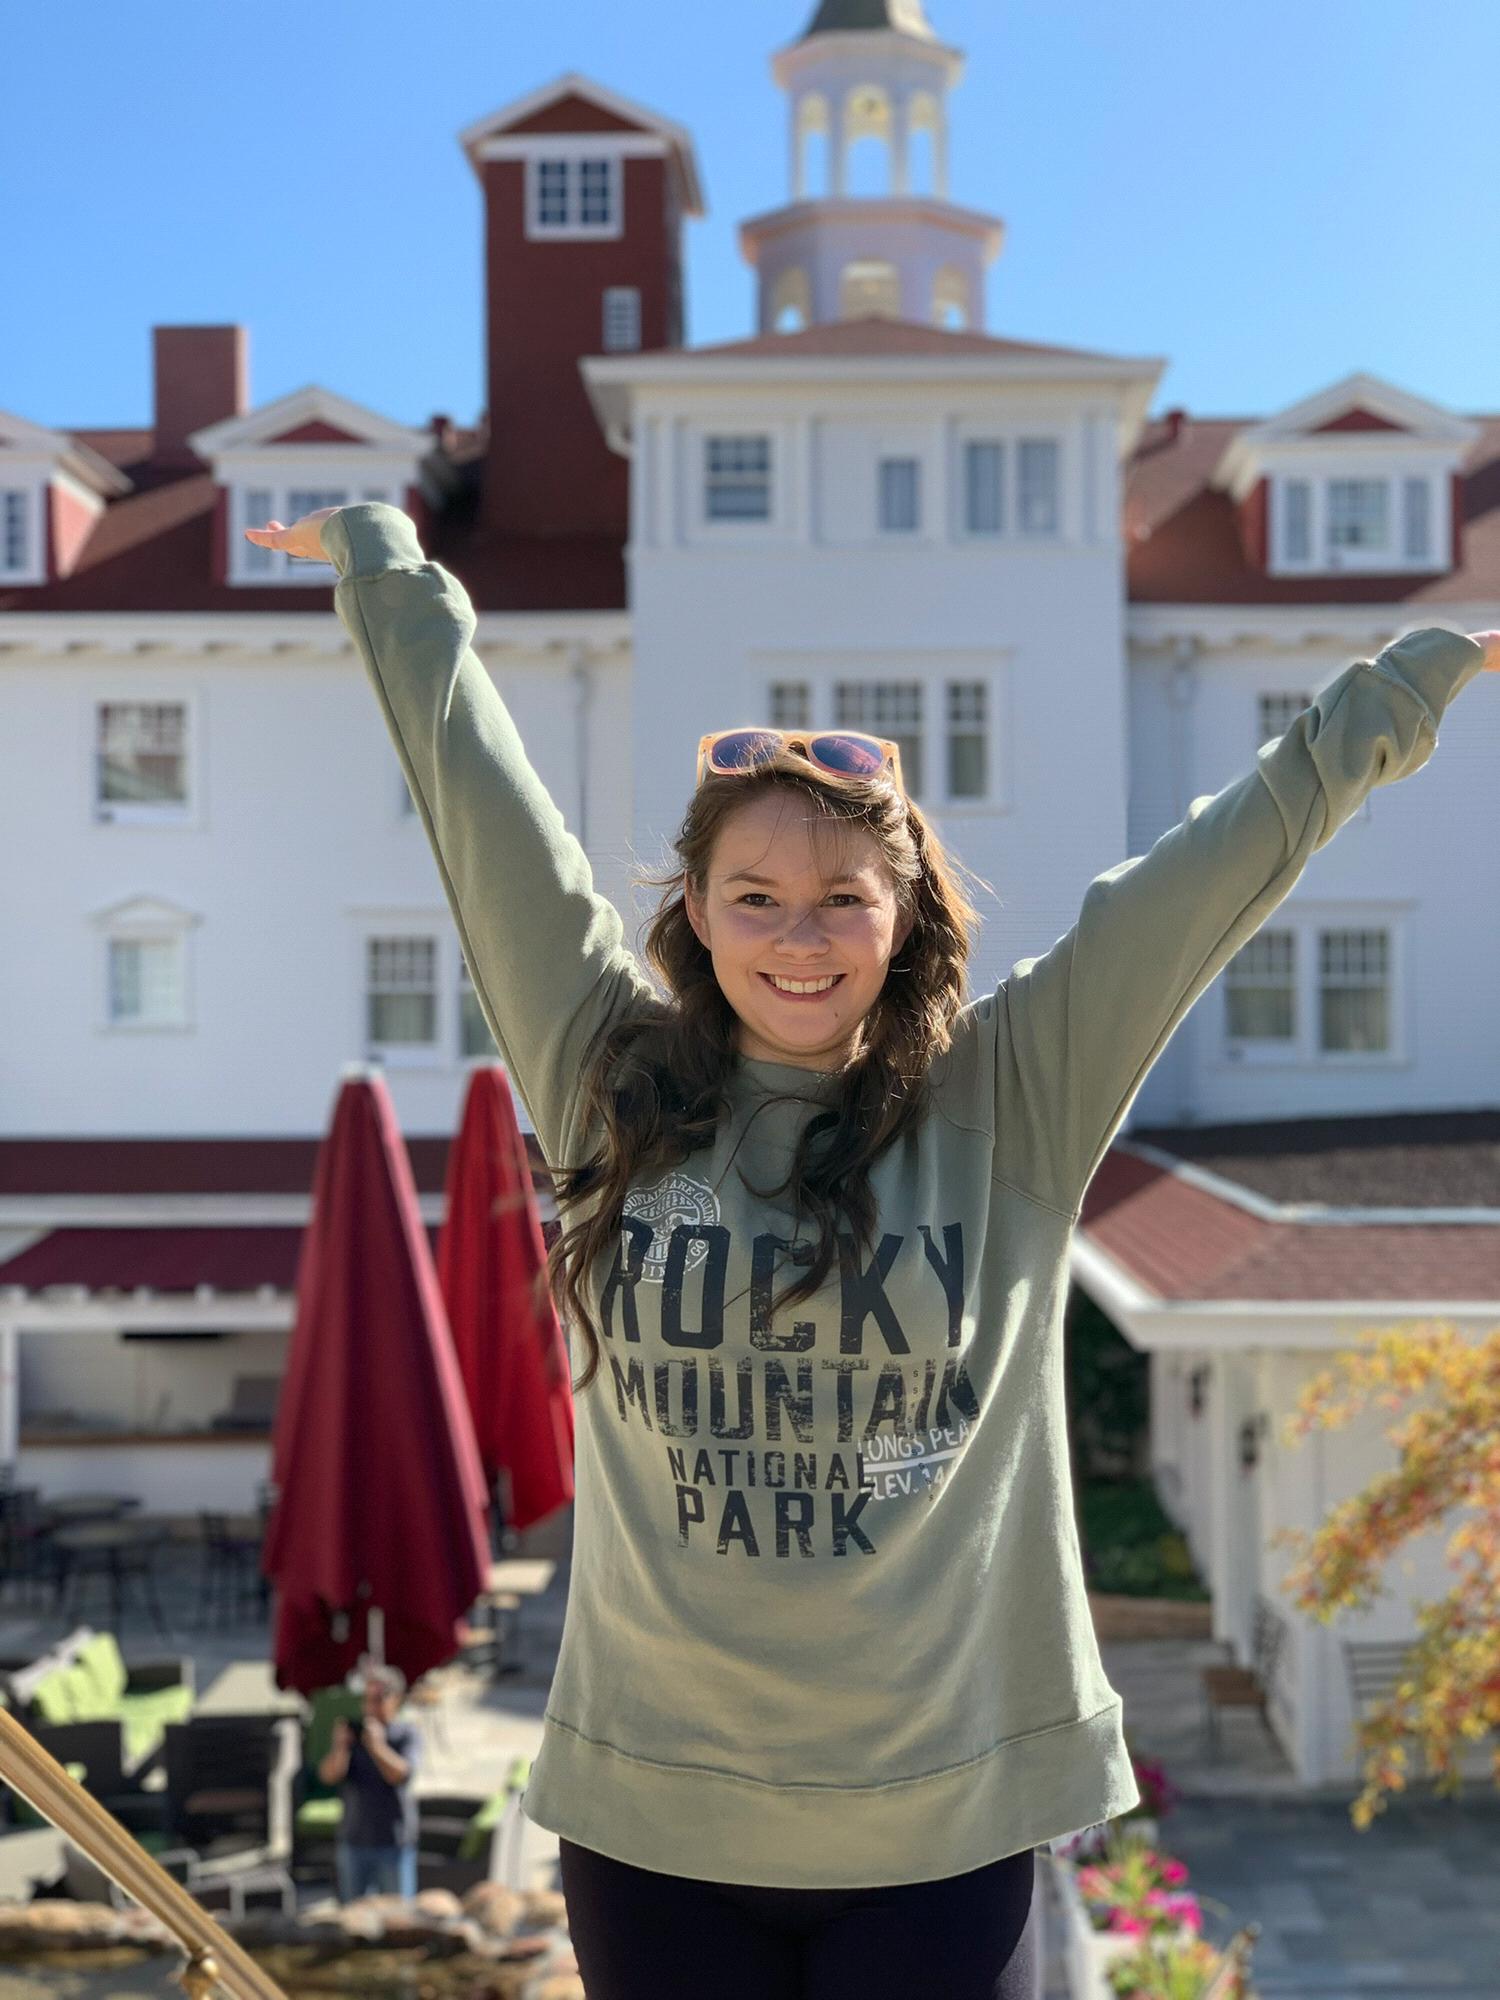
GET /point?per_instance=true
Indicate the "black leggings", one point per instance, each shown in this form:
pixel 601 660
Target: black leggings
pixel 640 1935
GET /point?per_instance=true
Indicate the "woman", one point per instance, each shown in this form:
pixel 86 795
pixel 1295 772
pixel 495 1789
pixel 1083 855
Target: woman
pixel 828 1676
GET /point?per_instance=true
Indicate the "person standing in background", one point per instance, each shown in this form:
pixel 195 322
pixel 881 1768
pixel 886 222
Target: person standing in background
pixel 373 1763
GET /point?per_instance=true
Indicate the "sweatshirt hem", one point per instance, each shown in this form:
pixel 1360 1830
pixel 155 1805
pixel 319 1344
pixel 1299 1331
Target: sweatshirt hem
pixel 715 1825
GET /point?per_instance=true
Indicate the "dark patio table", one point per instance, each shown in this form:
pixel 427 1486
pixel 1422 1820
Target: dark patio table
pixel 117 1549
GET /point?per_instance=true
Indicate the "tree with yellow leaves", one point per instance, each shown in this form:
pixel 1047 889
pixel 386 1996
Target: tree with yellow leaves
pixel 1448 1447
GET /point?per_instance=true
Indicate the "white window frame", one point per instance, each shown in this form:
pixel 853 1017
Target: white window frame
pixel 1321 560
pixel 1307 920
pixel 406 805
pixel 29 506
pixel 1365 810
pixel 820 673
pixel 1295 700
pixel 757 526
pixel 1010 437
pixel 463 985
pixel 428 926
pixel 145 920
pixel 254 501
pixel 110 817
pixel 885 529
pixel 447 1052
pixel 572 153
pixel 620 329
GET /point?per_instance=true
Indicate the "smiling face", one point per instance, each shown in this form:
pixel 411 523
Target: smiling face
pixel 800 915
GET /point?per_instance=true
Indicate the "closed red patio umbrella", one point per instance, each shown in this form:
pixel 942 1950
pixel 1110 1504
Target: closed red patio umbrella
pixel 380 1496
pixel 491 1262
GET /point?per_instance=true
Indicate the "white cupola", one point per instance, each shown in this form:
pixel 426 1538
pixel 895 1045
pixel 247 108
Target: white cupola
pixel 870 229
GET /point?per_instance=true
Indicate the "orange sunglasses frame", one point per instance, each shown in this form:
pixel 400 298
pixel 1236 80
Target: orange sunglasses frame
pixel 792 739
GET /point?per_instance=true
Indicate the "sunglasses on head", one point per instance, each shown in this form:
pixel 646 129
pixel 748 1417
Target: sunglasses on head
pixel 843 753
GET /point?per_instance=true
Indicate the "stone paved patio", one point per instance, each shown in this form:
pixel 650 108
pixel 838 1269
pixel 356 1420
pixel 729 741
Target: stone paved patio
pixel 1408 1911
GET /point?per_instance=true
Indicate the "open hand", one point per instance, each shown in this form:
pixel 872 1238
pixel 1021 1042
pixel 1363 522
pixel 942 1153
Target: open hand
pixel 302 538
pixel 1491 644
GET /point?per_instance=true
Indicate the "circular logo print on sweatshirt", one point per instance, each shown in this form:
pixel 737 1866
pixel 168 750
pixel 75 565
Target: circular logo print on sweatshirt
pixel 678 1202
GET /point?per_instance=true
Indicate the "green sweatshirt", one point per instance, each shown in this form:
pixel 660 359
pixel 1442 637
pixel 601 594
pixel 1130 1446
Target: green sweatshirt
pixel 827 1624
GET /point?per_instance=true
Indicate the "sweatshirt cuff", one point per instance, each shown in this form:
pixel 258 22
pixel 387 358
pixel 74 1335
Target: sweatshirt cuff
pixel 1433 663
pixel 369 537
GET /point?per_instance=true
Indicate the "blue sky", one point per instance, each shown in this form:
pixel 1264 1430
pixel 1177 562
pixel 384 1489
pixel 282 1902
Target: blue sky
pixel 1269 196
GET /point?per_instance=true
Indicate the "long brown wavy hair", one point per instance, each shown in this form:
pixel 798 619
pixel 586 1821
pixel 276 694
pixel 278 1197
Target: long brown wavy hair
pixel 656 1081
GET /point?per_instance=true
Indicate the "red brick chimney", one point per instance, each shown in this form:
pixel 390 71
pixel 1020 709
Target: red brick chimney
pixel 594 262
pixel 201 375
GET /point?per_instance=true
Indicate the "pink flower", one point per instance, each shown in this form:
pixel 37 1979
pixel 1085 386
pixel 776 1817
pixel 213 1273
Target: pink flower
pixel 1127 1926
pixel 1173 1871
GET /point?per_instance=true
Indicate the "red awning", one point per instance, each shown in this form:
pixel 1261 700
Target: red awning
pixel 176 1259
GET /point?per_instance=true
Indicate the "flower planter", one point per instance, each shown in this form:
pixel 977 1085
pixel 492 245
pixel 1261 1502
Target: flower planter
pixel 1087 1954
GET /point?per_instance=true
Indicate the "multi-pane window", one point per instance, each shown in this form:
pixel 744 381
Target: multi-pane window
pixel 141 755
pixel 737 478
pixel 264 503
pixel 1357 513
pixel 791 705
pixel 1260 989
pixel 1277 714
pixel 1354 1012
pixel 1037 486
pixel 1296 524
pixel 622 319
pixel 12 530
pixel 968 739
pixel 984 487
pixel 1301 992
pixel 885 708
pixel 401 991
pixel 1416 520
pixel 302 500
pixel 595 193
pixel 146 981
pixel 575 195
pixel 475 1042
pixel 899 495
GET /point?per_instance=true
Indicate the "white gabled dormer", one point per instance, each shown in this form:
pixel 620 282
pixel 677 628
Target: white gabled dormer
pixel 52 491
pixel 1359 479
pixel 307 450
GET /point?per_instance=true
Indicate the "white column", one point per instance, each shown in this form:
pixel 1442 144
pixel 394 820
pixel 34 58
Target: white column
pixel 900 143
pixel 795 179
pixel 940 155
pixel 10 1394
pixel 838 162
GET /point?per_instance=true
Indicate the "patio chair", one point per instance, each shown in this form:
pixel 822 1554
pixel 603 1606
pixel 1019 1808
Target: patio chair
pixel 83 1701
pixel 229 1788
pixel 231 1574
pixel 1374 1668
pixel 1245 1687
pixel 318 1809
pixel 29 1558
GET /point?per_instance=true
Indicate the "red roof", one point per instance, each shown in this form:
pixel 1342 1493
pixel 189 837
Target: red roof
pixel 879 336
pixel 1182 1242
pixel 1183 543
pixel 153 550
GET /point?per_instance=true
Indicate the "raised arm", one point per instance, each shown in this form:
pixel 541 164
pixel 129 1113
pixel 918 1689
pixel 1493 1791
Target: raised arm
pixel 1078 1028
pixel 545 950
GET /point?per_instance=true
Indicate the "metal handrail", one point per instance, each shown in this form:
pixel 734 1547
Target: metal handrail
pixel 215 1959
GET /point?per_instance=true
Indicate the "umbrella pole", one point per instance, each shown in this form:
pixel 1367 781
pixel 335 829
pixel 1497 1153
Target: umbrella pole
pixel 375 1633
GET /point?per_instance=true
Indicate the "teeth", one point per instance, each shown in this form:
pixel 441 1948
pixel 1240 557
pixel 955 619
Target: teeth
pixel 802 985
